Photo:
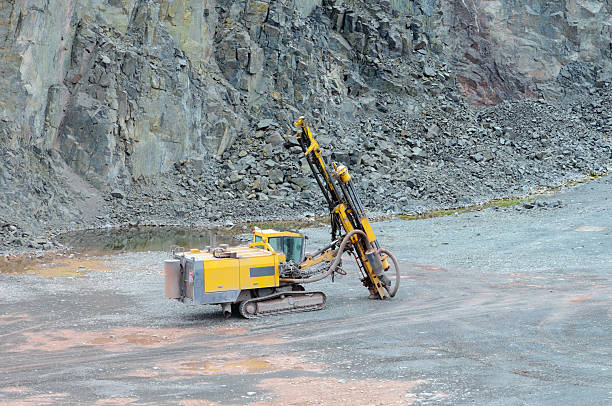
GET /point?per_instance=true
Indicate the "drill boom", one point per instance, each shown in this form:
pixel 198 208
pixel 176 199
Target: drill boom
pixel 347 213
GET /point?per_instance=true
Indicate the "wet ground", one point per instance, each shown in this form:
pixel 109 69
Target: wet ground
pixel 498 307
pixel 139 239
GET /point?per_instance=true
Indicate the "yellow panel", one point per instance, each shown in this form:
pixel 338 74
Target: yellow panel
pixel 252 268
pixel 365 223
pixel 221 274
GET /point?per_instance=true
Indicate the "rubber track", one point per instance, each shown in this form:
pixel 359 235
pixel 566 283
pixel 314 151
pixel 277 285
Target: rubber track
pixel 311 308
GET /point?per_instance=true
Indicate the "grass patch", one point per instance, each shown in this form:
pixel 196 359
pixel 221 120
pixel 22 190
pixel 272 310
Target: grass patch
pixel 321 220
pixel 508 202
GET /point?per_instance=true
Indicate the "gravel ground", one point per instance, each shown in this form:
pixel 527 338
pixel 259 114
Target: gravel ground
pixel 501 306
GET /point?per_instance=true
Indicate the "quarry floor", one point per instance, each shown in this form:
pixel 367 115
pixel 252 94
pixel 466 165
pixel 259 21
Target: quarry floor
pixel 500 307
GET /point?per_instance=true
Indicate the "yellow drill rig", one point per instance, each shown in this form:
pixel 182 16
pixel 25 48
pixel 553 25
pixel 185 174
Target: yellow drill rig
pixel 266 277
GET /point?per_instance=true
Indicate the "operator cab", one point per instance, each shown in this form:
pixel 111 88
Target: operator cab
pixel 290 243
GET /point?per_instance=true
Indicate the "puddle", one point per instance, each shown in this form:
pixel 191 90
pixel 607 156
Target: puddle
pixel 140 239
pixel 15 389
pixel 429 268
pixel 331 391
pixel 116 401
pixel 45 399
pixel 590 229
pixel 55 267
pixel 112 340
pixel 225 363
pixel 88 246
pixel 245 366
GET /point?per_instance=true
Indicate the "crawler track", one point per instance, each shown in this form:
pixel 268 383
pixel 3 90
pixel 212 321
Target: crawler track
pixel 280 303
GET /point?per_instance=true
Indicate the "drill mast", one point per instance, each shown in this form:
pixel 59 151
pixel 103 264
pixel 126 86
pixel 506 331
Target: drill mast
pixel 348 214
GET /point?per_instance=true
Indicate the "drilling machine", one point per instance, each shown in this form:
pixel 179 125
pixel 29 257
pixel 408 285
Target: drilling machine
pixel 266 277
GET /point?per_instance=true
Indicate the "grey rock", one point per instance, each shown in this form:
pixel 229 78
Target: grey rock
pixel 275 139
pixel 478 157
pixel 266 123
pixel 105 59
pixel 488 53
pixel 417 152
pixel 276 176
pixel 433 131
pixel 421 45
pixel 117 193
pixel 429 71
pixel 301 182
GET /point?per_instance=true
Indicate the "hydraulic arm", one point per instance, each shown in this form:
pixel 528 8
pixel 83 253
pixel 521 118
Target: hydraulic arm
pixel 348 214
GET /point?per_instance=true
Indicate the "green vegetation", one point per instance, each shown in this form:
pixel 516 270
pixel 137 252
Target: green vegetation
pixel 512 201
pixel 321 220
pixel 506 202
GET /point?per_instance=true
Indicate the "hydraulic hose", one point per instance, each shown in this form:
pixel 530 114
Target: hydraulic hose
pixel 334 264
pixel 397 272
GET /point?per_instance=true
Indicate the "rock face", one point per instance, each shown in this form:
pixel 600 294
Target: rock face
pixel 122 89
pixel 504 49
pixel 186 99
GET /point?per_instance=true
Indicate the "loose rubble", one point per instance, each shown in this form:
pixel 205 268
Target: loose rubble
pixel 144 131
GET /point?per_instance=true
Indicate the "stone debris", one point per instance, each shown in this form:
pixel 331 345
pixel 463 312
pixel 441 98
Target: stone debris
pixel 118 194
pixel 140 119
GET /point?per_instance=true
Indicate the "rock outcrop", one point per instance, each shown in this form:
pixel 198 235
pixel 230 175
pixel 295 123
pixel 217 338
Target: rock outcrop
pixel 505 49
pixel 186 104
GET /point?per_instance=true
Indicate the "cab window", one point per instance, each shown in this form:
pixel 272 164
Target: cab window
pixel 292 247
pixel 276 243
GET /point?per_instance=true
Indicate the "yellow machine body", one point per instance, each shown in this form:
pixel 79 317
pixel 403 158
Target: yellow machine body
pixel 241 270
pixel 220 275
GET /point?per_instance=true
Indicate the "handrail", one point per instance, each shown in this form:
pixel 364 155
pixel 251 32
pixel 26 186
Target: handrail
pixel 264 244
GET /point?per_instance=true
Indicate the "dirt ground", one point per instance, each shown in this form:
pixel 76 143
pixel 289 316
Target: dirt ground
pixel 507 306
